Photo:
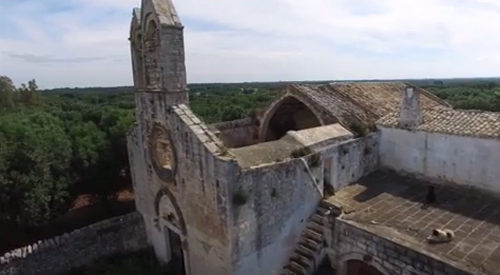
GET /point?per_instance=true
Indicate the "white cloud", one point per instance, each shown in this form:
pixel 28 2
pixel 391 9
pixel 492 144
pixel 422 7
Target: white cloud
pixel 257 40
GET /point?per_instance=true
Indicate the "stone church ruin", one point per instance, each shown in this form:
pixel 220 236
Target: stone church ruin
pixel 335 173
pixel 248 196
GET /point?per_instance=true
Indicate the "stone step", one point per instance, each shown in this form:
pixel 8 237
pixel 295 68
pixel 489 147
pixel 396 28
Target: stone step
pixel 312 245
pixel 303 261
pixel 304 251
pixel 317 219
pixel 318 228
pixel 313 235
pixel 297 268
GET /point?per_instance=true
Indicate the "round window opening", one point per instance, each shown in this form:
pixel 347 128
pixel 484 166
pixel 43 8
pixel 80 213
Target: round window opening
pixel 163 153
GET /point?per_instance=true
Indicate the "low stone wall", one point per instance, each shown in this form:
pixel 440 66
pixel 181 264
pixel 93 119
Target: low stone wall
pixel 350 241
pixel 78 248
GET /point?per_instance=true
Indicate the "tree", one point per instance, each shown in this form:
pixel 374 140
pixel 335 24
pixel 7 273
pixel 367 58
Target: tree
pixel 34 164
pixel 29 92
pixel 7 90
pixel 232 112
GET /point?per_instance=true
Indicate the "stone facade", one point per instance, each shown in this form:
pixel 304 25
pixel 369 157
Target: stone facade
pixel 77 248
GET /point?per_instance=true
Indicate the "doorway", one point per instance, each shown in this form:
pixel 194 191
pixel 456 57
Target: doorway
pixel 357 267
pixel 176 265
pixel 329 177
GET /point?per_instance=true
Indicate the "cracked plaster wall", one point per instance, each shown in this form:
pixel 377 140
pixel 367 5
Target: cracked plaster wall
pixel 267 228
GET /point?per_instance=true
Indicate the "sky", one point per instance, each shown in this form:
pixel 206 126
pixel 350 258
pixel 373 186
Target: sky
pixel 82 43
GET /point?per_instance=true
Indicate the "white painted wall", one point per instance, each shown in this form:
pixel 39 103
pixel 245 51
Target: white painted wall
pixel 463 160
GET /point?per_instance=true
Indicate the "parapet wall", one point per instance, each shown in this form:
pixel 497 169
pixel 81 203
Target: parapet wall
pixel 238 133
pixel 352 241
pixel 78 248
pixel 348 161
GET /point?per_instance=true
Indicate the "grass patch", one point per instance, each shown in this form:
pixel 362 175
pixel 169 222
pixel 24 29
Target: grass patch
pixel 359 129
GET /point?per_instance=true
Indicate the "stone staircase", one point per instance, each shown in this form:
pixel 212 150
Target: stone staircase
pixel 310 250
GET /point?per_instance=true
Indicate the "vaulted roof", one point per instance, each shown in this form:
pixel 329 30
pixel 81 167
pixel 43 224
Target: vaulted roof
pixel 364 101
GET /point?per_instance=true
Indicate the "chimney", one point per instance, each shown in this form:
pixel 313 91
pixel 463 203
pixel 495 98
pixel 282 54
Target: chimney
pixel 411 113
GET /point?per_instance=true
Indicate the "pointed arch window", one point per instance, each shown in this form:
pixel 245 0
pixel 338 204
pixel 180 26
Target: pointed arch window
pixel 152 56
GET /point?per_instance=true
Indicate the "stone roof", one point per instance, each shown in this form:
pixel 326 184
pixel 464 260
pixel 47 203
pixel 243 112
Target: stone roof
pixel 365 101
pixel 453 122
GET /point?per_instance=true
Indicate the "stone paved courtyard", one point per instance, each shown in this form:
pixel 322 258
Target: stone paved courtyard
pixel 393 201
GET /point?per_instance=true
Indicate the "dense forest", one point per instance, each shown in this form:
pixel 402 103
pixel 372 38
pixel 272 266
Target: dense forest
pixel 59 144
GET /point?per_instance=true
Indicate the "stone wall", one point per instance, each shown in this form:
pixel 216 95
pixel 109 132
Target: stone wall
pixel 267 227
pixel 443 158
pixel 350 241
pixel 199 190
pixel 350 160
pixel 237 133
pixel 78 248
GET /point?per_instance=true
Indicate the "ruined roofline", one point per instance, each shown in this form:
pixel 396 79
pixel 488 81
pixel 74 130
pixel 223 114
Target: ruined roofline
pixel 206 137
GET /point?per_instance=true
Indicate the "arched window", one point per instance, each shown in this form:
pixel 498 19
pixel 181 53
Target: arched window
pixel 137 59
pixel 152 56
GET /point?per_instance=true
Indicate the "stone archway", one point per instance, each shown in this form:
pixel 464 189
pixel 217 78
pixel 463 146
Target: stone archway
pixel 171 224
pixel 355 263
pixel 166 207
pixel 288 113
pixel 357 267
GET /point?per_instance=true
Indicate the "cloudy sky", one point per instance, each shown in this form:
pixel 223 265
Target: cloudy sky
pixel 71 43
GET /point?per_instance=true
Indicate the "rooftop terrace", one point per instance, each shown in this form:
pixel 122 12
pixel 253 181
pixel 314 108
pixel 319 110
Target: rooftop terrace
pixel 390 201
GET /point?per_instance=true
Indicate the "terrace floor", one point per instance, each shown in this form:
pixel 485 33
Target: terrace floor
pixel 395 201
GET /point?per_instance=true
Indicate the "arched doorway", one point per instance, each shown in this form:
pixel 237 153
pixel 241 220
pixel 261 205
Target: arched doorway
pixel 173 228
pixel 288 114
pixel 357 267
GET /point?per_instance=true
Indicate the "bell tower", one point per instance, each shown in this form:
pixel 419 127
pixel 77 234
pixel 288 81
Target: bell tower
pixel 158 58
pixel 158 61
